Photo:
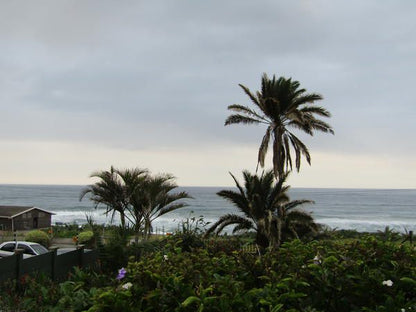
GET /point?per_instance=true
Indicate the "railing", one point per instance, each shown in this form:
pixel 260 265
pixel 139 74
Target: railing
pixel 57 267
pixel 251 249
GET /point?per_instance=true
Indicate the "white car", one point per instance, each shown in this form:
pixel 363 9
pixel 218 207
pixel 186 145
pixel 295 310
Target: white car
pixel 29 248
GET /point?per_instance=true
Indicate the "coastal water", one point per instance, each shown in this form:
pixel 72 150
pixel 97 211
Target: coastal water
pixel 361 209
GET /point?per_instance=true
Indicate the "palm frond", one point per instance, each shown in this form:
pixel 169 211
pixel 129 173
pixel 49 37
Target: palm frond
pixel 318 110
pixel 235 198
pixel 306 99
pixel 295 203
pixel 244 109
pixel 299 218
pixel 300 149
pixel 264 147
pixel 250 95
pixel 236 119
pixel 244 226
pixel 226 220
pixel 164 210
pixel 320 125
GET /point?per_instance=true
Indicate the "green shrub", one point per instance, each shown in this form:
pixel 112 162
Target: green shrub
pixel 38 292
pixel 86 238
pixel 65 231
pixel 369 275
pixel 114 252
pixel 39 237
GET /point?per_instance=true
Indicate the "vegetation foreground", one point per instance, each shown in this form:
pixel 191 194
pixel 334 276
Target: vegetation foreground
pixel 186 272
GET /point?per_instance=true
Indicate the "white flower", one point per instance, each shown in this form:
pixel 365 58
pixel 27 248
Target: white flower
pixel 388 283
pixel 402 310
pixel 317 259
pixel 127 285
pixel 165 257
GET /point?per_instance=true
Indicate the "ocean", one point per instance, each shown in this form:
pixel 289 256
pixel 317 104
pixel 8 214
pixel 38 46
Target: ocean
pixel 368 210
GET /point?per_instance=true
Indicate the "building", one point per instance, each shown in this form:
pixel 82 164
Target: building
pixel 18 218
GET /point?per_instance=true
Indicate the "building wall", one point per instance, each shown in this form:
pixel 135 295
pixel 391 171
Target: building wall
pixel 32 220
pixel 5 224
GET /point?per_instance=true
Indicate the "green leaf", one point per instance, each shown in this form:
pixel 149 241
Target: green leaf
pixel 303 283
pixel 264 278
pixel 263 301
pixel 408 280
pixel 190 300
pixel 277 308
pixel 330 260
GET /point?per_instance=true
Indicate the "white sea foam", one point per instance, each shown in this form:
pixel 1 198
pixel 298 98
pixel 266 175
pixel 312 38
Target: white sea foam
pixel 367 225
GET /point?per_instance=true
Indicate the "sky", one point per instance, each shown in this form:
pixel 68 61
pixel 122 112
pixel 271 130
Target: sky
pixel 89 84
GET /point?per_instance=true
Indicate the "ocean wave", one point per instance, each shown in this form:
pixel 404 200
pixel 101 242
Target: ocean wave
pixel 368 225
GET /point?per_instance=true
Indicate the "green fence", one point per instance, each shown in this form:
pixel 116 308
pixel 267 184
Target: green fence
pixel 55 266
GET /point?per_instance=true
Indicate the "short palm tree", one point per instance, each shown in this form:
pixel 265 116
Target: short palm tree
pixel 133 181
pixel 136 195
pixel 109 191
pixel 298 224
pixel 157 198
pixel 282 105
pixel 264 205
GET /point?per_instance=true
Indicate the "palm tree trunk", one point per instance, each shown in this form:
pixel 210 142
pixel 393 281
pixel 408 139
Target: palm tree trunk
pixel 280 217
pixel 278 153
pixel 148 227
pixel 123 220
pixel 137 226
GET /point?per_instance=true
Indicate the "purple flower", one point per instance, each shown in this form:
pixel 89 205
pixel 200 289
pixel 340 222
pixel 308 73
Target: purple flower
pixel 121 273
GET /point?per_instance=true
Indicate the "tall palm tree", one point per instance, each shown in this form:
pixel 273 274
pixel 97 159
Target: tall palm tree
pixel 109 191
pixel 282 105
pixel 264 205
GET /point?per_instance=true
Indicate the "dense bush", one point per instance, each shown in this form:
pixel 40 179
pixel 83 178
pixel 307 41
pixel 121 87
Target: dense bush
pixel 369 274
pixel 38 293
pixel 38 236
pixel 114 251
pixel 66 230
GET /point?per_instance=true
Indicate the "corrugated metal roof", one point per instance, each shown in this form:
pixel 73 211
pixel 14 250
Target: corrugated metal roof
pixel 10 212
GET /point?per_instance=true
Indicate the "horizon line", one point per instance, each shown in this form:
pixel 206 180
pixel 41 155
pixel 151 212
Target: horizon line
pixel 222 186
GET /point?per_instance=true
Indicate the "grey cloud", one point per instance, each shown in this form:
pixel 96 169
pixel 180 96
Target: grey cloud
pixel 163 72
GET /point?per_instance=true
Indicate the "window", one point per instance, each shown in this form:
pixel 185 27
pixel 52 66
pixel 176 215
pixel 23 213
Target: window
pixel 8 247
pixel 26 249
pixel 39 249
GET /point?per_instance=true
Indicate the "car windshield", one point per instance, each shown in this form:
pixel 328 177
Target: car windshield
pixel 39 249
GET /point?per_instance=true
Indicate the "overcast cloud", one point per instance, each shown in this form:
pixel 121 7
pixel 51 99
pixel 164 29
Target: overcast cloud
pixel 88 84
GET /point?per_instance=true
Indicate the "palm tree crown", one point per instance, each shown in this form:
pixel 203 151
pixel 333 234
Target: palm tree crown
pixel 109 191
pixel 264 207
pixel 158 199
pixel 282 105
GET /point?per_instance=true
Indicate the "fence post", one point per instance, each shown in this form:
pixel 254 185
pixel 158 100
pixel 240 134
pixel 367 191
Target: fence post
pixel 80 249
pixel 19 258
pixel 54 251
